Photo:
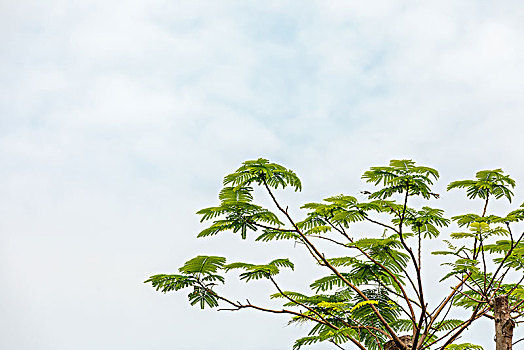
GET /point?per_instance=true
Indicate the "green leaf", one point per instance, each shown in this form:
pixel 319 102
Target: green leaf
pixel 259 271
pixel 327 334
pixel 364 303
pixel 447 325
pixel 203 297
pixel 459 235
pixel 343 261
pixel 326 283
pixel 425 221
pixel 261 171
pixel 203 264
pixel 282 263
pixel 270 235
pixel 236 194
pixel 167 283
pixel 331 305
pixel 514 216
pixel 488 182
pixel 318 230
pixel 255 272
pixel 461 266
pixel 464 346
pixel 239 216
pixel 292 295
pixel 402 325
pixel 401 176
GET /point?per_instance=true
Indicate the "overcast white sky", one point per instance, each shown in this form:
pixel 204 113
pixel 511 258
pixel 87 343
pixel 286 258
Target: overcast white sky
pixel 119 119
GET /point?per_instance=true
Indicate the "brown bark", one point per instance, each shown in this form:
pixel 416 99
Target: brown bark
pixel 406 339
pixel 503 323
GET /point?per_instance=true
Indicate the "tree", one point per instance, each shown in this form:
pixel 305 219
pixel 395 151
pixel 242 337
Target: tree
pixel 373 294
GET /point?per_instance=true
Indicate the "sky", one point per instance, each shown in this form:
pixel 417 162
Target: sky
pixel 119 119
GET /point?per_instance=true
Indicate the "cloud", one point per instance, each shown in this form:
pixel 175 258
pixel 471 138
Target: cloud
pixel 118 123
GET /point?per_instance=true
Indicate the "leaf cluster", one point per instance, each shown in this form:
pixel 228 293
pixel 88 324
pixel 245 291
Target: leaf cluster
pixel 369 278
pixel 261 172
pixel 426 221
pixel 487 182
pixel 401 176
pixel 256 272
pixel 199 273
pixel 350 313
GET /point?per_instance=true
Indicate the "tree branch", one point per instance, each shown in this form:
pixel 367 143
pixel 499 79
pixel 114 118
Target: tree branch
pixel 392 333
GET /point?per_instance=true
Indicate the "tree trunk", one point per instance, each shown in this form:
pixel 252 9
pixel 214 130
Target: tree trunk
pixel 503 323
pixel 406 339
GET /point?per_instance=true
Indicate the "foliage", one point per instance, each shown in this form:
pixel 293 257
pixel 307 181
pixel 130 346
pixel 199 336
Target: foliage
pixel 465 346
pixel 373 290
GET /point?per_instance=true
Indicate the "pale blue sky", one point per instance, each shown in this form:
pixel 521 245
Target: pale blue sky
pixel 118 121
